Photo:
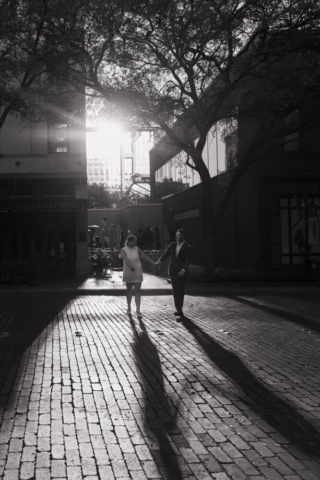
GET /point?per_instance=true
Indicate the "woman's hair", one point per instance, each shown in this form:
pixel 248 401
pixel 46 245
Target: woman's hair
pixel 129 239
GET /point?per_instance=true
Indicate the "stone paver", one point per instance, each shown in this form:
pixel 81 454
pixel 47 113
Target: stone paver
pixel 231 392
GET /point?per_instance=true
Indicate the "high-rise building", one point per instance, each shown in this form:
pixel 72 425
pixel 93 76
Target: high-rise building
pixel 114 156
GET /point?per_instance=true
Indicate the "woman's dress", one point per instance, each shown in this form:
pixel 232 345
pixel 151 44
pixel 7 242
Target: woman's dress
pixel 128 275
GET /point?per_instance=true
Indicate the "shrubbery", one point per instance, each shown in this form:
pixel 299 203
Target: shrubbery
pixel 12 273
pixel 221 275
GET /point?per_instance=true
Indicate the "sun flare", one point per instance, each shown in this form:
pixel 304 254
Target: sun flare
pixel 105 141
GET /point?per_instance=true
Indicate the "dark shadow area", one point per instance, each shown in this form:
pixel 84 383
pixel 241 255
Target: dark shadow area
pixel 23 319
pixel 276 411
pixel 55 280
pixel 276 310
pixel 159 412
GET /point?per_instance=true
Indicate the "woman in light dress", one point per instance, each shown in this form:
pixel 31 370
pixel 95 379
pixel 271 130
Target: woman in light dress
pixel 132 271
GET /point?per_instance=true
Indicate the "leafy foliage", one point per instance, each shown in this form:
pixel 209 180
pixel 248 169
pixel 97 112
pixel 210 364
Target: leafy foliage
pixel 225 275
pixel 99 196
pixel 31 42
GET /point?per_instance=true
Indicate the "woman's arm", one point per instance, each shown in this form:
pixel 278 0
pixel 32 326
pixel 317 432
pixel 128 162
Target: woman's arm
pixel 165 255
pixel 144 257
pixel 125 259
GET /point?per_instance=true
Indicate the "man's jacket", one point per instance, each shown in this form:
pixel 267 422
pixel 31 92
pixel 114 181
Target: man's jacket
pixel 179 262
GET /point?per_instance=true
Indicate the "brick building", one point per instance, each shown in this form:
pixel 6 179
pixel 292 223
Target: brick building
pixel 43 196
pixel 265 223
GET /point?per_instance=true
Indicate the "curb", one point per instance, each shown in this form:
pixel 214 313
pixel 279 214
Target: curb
pixel 236 288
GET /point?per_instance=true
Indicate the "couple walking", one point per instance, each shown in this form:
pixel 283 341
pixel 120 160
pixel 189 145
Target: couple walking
pixel 178 269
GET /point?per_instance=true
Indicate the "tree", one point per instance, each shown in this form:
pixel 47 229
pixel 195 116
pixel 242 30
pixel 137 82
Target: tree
pixel 100 196
pixel 183 66
pixel 29 86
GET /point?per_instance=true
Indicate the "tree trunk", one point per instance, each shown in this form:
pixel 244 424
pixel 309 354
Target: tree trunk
pixel 208 236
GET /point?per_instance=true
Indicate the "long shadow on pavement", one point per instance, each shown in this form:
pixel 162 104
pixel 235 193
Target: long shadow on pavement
pixel 159 413
pixel 278 413
pixel 300 319
pixel 23 320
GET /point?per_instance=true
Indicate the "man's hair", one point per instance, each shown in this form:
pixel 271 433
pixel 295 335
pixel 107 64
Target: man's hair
pixel 180 230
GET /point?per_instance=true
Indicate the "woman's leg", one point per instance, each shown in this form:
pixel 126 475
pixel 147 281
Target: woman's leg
pixel 129 295
pixel 137 296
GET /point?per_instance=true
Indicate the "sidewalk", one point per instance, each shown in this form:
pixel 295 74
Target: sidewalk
pixel 111 285
pixel 230 393
pixel 152 285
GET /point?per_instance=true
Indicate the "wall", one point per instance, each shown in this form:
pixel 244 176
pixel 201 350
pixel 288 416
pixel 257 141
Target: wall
pixel 237 243
pixel 96 216
pixel 27 138
pixel 148 214
pixel 248 215
pixel 53 164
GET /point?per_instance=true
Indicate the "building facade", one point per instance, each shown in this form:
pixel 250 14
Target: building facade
pixel 43 197
pixel 272 220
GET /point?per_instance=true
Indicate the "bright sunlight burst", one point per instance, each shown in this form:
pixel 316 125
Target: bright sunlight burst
pixel 105 141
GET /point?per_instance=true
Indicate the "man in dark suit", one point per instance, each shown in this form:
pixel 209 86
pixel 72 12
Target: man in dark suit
pixel 178 268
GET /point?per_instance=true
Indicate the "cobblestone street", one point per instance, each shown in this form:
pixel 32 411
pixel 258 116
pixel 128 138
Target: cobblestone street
pixel 231 392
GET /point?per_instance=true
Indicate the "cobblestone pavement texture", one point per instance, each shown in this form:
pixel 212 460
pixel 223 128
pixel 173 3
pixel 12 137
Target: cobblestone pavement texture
pixel 231 392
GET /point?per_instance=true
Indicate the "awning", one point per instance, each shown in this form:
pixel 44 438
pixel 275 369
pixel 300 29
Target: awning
pixel 41 208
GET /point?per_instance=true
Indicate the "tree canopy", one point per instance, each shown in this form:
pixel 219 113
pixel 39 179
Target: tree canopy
pixel 100 196
pixel 31 39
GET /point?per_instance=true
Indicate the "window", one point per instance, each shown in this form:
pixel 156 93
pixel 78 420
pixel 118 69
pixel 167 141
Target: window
pixel 300 236
pixel 292 140
pixel 58 138
pixel 194 213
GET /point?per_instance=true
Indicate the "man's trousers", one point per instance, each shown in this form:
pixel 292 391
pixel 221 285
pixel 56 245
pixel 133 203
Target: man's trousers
pixel 178 284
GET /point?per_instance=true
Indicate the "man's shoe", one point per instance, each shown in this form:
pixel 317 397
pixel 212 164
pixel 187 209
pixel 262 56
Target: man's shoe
pixel 178 314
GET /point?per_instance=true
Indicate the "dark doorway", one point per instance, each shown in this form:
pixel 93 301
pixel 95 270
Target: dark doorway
pixel 58 248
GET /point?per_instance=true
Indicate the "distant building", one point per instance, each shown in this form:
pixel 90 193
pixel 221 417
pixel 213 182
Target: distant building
pixel 103 170
pixel 123 155
pixel 43 196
